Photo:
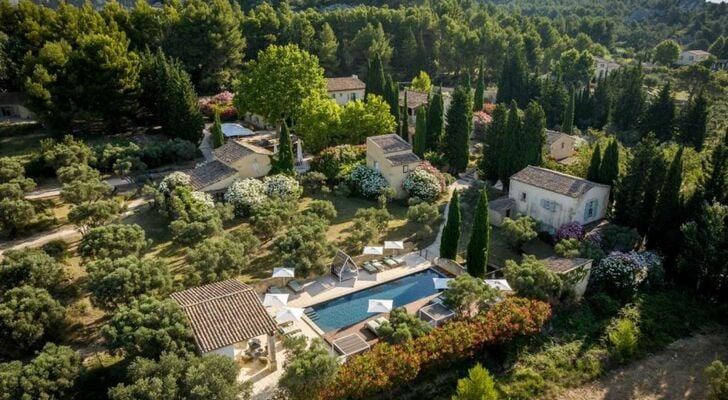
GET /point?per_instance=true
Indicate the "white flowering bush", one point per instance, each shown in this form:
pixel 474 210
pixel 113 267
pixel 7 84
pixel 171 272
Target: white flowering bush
pixel 621 274
pixel 422 184
pixel 282 187
pixel 204 199
pixel 245 194
pixel 367 181
pixel 174 180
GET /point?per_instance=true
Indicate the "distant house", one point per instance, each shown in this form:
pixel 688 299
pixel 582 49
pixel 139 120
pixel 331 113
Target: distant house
pixel 691 57
pixel 238 158
pixel 345 89
pixel 393 157
pixel 604 67
pixel 554 198
pixel 224 316
pixel 560 146
pixel 415 100
pixel 12 106
pixel 574 273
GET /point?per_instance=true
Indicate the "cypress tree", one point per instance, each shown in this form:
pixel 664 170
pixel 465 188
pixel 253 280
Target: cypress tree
pixel 534 132
pixel 713 185
pixel 479 99
pixel 494 137
pixel 513 80
pixel 216 130
pixel 653 179
pixel 568 127
pixel 629 97
pixel 602 103
pixel 435 121
pixel 666 219
pixel 595 165
pixel 283 162
pixel 420 145
pixel 609 168
pixel 660 115
pixel 459 127
pixel 693 126
pixel 629 190
pixel 553 99
pixel 404 132
pixel 511 160
pixel 376 81
pixel 477 256
pixel 451 231
pixel 583 109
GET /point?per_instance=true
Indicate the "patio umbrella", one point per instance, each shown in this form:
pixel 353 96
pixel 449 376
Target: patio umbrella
pixel 374 250
pixel 289 314
pixel 394 245
pixel 283 273
pixel 441 283
pixel 380 306
pixel 500 284
pixel 275 299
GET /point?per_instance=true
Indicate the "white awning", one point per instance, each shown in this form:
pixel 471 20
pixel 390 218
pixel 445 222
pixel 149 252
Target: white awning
pixel 380 306
pixel 373 250
pixel 394 245
pixel 283 273
pixel 275 299
pixel 441 283
pixel 289 314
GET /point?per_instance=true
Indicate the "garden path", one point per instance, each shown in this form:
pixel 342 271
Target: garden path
pixel 206 143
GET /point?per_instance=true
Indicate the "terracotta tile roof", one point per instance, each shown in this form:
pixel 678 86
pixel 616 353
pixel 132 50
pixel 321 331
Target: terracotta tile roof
pixel 231 151
pixel 224 313
pixel 554 181
pixel 414 99
pixel 404 158
pixel 390 143
pixel 208 173
pixel 553 136
pixel 564 265
pixel 344 83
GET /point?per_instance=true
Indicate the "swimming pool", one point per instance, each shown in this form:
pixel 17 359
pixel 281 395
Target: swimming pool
pixel 350 309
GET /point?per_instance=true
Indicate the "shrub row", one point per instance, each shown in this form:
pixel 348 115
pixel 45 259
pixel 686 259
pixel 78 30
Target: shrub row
pixel 388 366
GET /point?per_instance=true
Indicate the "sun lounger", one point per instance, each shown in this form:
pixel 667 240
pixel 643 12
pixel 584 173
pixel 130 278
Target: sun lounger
pixel 295 286
pixel 391 262
pixel 370 268
pixel 378 265
pixel 288 330
pixel 374 324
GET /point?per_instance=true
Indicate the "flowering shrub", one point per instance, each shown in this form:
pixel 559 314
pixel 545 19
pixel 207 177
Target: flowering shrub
pixel 422 184
pixel 620 274
pixel 203 198
pixel 245 194
pixel 388 366
pixel 282 187
pixel 221 103
pixel 173 180
pixel 367 181
pixel 570 230
pixel 480 122
pixel 337 162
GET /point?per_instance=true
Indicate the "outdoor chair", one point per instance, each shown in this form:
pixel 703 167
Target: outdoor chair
pixel 370 268
pixel 295 286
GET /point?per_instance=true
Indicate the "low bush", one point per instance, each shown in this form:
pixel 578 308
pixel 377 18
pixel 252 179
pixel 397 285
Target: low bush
pixel 623 338
pixel 57 249
pixel 717 374
pixel 322 209
pixel 423 213
pixel 403 326
pixel 337 162
pixel 570 230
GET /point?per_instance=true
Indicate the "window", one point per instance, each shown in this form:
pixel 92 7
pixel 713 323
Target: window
pixel 333 95
pixel 376 165
pixel 549 205
pixel 523 196
pixel 405 168
pixel 563 144
pixel 590 211
pixel 353 96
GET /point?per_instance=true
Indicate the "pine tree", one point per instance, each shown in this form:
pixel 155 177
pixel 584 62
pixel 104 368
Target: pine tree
pixel 459 127
pixel 595 165
pixel 629 99
pixel 218 139
pixel 451 231
pixel 180 116
pixel 602 101
pixel 609 168
pixel 435 121
pixel 666 220
pixel 477 256
pixel 283 162
pixel 376 81
pixel 513 80
pixel 511 160
pixel 660 115
pixel 534 132
pixel 693 125
pixel 494 137
pixel 404 131
pixel 568 127
pixel 630 188
pixel 327 49
pixel 479 98
pixel 420 145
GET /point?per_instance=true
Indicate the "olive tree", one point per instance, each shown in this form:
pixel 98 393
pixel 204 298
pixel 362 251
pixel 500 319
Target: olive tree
pixel 216 259
pixel 531 278
pixel 50 375
pixel 467 295
pixel 113 283
pixel 30 267
pixel 113 241
pixel 28 316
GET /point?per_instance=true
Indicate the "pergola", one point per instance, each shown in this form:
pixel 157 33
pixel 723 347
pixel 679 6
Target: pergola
pixel 343 267
pixel 435 314
pixel 226 313
pixel 350 345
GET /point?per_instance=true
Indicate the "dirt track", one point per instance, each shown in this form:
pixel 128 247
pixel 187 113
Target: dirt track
pixel 674 373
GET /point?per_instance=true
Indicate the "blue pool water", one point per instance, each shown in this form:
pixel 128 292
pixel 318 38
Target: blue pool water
pixel 350 309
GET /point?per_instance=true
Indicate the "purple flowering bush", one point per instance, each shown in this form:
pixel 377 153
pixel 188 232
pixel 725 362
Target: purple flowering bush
pixel 570 230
